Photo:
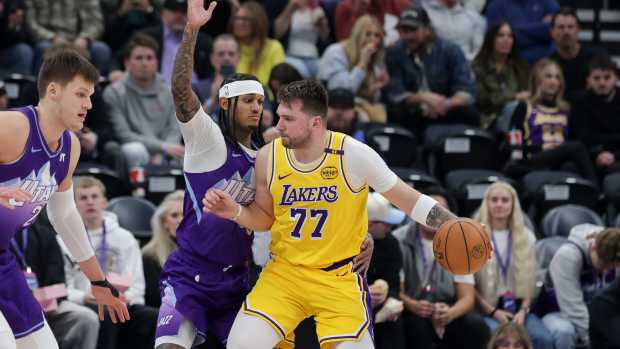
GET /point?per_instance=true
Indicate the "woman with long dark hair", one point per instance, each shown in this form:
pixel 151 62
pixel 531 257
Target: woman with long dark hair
pixel 501 75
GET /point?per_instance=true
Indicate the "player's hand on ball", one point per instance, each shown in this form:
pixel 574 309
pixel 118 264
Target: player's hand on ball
pixel 220 203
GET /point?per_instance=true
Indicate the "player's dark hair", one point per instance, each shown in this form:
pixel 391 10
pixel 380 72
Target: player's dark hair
pixel 227 117
pixel 311 93
pixel 63 66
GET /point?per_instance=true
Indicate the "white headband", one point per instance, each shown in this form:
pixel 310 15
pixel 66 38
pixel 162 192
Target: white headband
pixel 242 87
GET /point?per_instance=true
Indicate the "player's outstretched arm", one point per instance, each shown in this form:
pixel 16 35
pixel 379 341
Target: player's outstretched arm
pixel 423 209
pixel 258 215
pixel 185 100
pixel 66 220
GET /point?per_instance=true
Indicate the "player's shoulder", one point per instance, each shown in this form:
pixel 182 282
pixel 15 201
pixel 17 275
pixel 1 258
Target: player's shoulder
pixel 13 120
pixel 14 128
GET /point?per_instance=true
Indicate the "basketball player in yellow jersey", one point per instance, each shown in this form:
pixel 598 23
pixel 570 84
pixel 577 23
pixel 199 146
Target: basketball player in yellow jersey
pixel 311 191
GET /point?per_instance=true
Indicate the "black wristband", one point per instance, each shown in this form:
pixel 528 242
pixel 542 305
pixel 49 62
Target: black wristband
pixel 105 283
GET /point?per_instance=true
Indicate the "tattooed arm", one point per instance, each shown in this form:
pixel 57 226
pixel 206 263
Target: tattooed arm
pixel 185 100
pixel 420 207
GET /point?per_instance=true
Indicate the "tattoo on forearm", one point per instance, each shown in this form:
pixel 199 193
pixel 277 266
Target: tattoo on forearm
pixel 437 216
pixel 185 100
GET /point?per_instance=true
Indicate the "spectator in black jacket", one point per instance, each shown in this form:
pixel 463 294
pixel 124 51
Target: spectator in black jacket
pixel 16 56
pixel 605 318
pixel 596 115
pixel 36 248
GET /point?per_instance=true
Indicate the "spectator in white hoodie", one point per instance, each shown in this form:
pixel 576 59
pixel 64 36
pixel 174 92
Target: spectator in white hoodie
pixel 454 22
pixel 579 269
pixel 118 252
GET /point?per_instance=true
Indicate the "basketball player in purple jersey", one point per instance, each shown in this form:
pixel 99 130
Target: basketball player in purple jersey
pixel 205 281
pixel 38 154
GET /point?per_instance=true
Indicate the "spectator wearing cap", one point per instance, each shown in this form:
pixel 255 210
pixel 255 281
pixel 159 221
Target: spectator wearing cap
pixel 383 273
pixel 80 22
pixel 438 305
pixel 169 36
pixel 358 64
pixel 596 115
pixel 457 23
pixel 530 20
pixel 16 56
pixel 431 80
pixel 578 270
pixel 341 114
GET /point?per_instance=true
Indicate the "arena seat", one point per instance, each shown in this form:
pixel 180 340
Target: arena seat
pixel 611 189
pixel 544 190
pixel 396 145
pixel 451 147
pixel 114 185
pixel 417 179
pixel 134 214
pixel 560 220
pixel 469 185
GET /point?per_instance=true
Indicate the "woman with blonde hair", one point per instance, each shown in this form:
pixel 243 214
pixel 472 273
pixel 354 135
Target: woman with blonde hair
pixel 358 64
pixel 258 53
pixel 510 336
pixel 505 285
pixel 164 225
pixel 543 120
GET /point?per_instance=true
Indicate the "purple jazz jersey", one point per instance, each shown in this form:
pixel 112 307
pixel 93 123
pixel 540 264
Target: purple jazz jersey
pixel 38 171
pixel 206 279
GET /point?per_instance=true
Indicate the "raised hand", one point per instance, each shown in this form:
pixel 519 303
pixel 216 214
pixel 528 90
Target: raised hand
pixel 9 197
pixel 220 203
pixel 197 15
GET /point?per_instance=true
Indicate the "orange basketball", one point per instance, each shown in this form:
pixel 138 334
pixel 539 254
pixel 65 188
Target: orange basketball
pixel 461 246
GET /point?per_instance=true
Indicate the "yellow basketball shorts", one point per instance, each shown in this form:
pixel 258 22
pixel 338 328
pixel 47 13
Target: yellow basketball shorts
pixel 286 294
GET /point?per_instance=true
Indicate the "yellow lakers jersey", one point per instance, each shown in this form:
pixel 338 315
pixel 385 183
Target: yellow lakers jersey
pixel 319 218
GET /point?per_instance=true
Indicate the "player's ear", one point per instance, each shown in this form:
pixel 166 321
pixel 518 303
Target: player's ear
pixel 52 90
pixel 224 103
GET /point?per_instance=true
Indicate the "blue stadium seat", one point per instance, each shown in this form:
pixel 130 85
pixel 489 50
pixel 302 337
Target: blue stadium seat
pixel 114 186
pixel 611 189
pixel 544 190
pixel 416 178
pixel 451 147
pixel 560 220
pixel 469 185
pixel 134 214
pixel 396 145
